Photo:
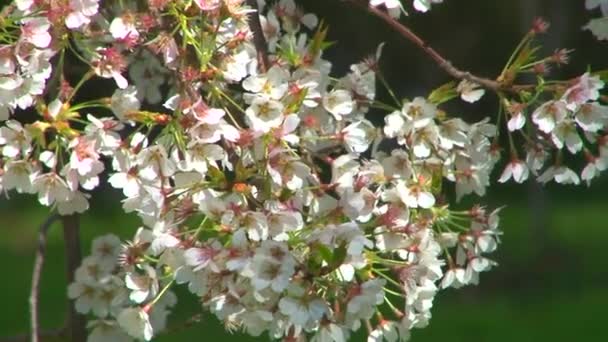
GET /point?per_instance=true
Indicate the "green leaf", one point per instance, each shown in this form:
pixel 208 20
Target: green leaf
pixel 444 93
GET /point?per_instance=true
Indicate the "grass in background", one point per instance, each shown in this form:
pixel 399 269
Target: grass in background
pixel 550 283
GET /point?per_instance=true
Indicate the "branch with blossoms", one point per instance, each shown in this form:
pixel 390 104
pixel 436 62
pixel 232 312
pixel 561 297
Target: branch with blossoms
pixel 260 183
pixel 503 83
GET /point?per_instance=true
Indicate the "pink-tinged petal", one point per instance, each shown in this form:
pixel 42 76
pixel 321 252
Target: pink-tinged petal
pixel 516 122
pixel 75 20
pixel 121 81
pixel 118 180
pixel 291 123
pixel 426 200
pixel 213 116
pixel 230 133
pixel 41 40
pixel 520 171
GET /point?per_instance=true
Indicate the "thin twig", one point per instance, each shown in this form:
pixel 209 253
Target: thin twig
pixel 37 274
pixel 76 323
pixel 441 61
pixel 258 36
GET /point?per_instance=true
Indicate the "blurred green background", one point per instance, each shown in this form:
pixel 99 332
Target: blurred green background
pixel 551 283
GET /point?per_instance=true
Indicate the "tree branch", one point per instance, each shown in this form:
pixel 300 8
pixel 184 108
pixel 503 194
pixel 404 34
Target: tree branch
pixel 76 323
pixel 258 36
pixel 441 61
pixel 37 274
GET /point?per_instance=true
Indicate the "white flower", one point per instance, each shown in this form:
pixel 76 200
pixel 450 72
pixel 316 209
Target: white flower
pixel 469 91
pixel 272 266
pixel 273 84
pixel 281 220
pixel 18 175
pixel 265 114
pixel 549 115
pixel 358 135
pixel 561 175
pixel 592 117
pixel 200 156
pixel 454 277
pixel 104 131
pixel 415 196
pixel 110 63
pixel 36 31
pixel 106 249
pixel 24 5
pixel 516 169
pixel 397 165
pixel 293 16
pixel 84 295
pixel 15 138
pixel 593 168
pixel 154 163
pixel 363 305
pixel 205 114
pixel 84 157
pixel 395 126
pixel 200 258
pixel 535 158
pixel 516 122
pixel 92 272
pixel 136 322
pixel 344 168
pixel 452 133
pixel 142 286
pixel 339 103
pixel 81 12
pixel 393 6
pixel 385 331
pixel 125 101
pixel 585 89
pixel 50 188
pixel 425 5
pixel 272 29
pixel 420 112
pixel 207 5
pixel 303 311
pixel 122 28
pixel 77 202
pixel 565 133
pixel 425 140
pixel 127 178
pixel 330 332
pixel 235 67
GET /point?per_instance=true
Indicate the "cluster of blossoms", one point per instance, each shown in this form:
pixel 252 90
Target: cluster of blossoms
pixel 572 121
pixel 107 289
pixel 262 185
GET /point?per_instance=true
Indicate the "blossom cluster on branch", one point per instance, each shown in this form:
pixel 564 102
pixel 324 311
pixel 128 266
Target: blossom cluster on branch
pixel 262 185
